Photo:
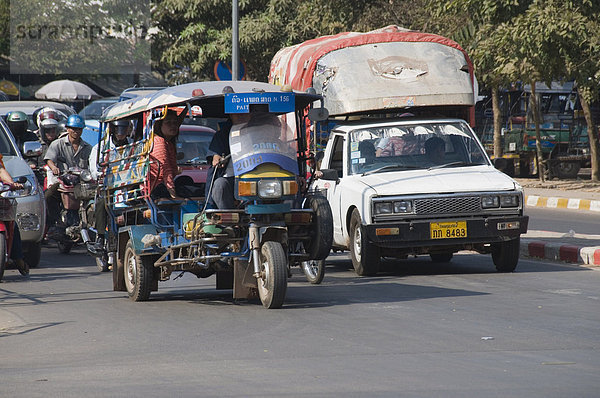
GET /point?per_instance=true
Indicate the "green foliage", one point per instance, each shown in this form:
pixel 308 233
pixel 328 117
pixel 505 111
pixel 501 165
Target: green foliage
pixel 195 34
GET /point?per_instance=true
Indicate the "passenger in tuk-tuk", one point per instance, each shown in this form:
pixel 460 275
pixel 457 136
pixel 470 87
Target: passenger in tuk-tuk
pixel 163 166
pixel 119 135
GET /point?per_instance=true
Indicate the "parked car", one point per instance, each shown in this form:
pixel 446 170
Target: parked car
pixel 31 206
pixel 30 108
pixel 193 142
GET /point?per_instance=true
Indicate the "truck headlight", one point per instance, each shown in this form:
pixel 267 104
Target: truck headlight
pixel 403 206
pixel 270 189
pixel 383 208
pixel 509 201
pixel 488 202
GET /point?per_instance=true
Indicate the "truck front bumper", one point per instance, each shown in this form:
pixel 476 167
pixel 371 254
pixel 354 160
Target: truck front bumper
pixel 417 233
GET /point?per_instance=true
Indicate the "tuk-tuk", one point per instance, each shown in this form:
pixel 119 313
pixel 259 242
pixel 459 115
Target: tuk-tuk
pixel 276 222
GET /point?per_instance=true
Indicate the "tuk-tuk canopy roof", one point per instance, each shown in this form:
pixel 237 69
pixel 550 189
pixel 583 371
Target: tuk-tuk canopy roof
pixel 208 95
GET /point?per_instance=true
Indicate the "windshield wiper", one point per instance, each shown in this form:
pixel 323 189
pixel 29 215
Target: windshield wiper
pixel 452 164
pixel 391 167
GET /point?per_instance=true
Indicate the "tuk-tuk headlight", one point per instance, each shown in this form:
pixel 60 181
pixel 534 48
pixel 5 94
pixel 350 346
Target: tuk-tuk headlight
pixel 270 189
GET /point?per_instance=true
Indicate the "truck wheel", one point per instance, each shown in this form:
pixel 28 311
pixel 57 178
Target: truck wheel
pixel 32 254
pixel 506 255
pixel 273 281
pixel 567 169
pixel 441 257
pixel 365 256
pixel 64 247
pixel 321 228
pixel 314 270
pixel 2 255
pixel 138 274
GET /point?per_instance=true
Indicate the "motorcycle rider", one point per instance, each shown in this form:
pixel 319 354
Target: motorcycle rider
pixel 119 132
pixel 68 151
pixel 17 123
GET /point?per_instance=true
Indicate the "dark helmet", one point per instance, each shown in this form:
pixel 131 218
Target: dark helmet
pixel 17 122
pixel 120 127
pixel 75 121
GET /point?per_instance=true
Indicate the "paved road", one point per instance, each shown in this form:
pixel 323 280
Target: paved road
pixel 417 330
pixel 562 220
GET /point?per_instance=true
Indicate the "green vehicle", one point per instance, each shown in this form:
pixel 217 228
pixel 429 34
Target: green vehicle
pixel 563 132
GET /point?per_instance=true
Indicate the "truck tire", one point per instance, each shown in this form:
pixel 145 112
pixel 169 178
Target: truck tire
pixel 365 256
pixel 321 228
pixel 506 255
pixel 314 270
pixel 567 169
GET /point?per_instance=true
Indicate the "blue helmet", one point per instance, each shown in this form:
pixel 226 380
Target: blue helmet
pixel 75 121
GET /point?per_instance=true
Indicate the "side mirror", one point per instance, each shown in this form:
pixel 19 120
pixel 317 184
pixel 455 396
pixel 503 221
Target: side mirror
pixel 32 149
pixel 329 174
pixel 318 114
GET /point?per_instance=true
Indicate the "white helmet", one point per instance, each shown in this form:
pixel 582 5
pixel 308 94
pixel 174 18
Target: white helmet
pixel 49 123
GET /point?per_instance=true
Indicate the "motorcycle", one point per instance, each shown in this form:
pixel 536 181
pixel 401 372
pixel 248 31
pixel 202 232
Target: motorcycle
pixel 77 190
pixel 8 212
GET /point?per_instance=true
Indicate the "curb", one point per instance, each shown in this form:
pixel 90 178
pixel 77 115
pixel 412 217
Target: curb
pixel 560 252
pixel 562 203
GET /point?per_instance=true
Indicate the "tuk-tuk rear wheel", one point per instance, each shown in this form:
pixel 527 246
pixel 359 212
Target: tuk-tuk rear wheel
pixel 272 284
pixel 138 274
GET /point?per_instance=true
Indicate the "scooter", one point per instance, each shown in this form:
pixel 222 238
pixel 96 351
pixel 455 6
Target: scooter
pixel 77 190
pixel 8 212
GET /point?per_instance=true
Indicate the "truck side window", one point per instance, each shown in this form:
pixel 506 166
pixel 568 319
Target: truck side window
pixel 337 158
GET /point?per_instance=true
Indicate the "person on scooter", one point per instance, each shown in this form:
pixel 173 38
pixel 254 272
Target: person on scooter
pixel 17 123
pixel 119 133
pixel 16 251
pixel 68 151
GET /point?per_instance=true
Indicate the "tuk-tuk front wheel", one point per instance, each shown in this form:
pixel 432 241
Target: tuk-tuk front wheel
pixel 272 282
pixel 138 274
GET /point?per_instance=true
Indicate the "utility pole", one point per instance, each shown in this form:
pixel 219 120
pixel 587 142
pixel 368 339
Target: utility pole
pixel 235 56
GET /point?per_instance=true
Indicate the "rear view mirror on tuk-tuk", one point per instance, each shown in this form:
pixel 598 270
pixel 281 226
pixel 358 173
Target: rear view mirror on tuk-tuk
pixel 318 114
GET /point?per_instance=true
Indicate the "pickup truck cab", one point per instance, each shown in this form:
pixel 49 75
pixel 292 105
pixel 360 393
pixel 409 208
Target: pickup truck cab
pixel 417 186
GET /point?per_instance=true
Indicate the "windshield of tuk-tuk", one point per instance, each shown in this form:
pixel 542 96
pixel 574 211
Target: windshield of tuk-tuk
pixel 396 147
pixel 264 138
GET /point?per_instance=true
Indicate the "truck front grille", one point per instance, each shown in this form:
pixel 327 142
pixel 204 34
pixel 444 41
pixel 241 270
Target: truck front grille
pixel 448 205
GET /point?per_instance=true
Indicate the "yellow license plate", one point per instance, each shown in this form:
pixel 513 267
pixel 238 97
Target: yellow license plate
pixel 448 229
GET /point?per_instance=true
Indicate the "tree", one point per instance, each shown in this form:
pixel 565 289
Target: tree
pixel 473 24
pixel 555 39
pixel 191 36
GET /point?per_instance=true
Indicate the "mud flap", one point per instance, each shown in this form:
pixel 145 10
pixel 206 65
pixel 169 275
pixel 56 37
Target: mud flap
pixel 245 285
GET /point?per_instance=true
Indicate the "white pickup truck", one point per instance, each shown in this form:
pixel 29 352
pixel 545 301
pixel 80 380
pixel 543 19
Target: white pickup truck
pixel 403 170
pixel 391 194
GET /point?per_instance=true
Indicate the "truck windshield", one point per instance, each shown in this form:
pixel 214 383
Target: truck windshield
pixel 380 149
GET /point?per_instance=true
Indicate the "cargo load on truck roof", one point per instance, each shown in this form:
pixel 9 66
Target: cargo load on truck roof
pixel 385 69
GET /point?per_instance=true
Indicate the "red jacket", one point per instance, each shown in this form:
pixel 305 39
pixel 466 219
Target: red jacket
pixel 163 163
